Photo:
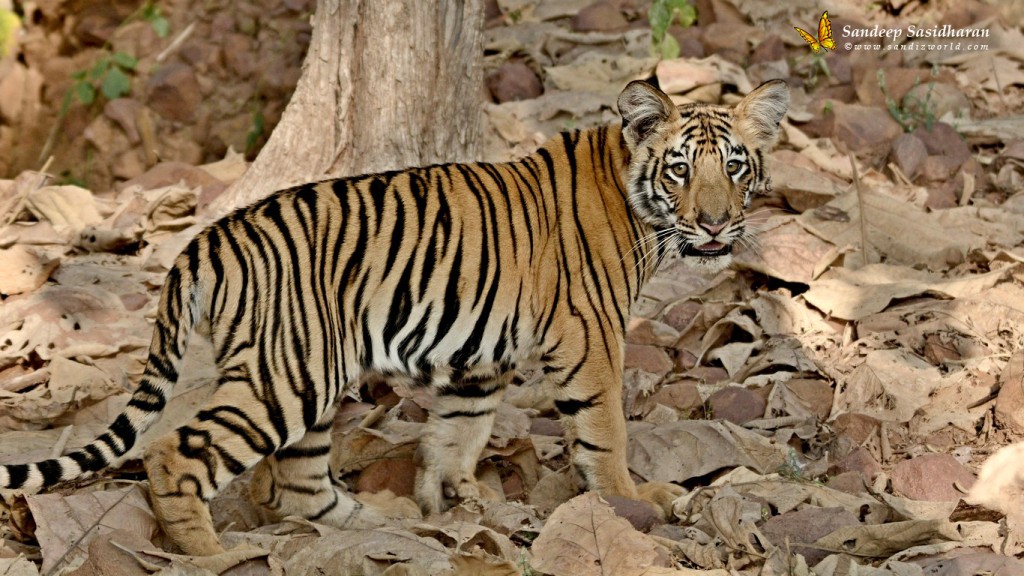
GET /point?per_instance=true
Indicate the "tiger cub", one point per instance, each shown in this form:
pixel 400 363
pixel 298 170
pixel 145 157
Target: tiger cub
pixel 449 276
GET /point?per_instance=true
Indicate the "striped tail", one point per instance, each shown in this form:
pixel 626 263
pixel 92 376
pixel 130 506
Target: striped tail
pixel 181 304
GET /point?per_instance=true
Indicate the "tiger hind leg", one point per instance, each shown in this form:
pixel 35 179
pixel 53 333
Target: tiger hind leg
pixel 455 434
pixel 296 481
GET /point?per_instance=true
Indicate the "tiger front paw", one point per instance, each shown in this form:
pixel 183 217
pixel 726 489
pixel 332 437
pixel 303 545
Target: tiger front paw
pixel 660 495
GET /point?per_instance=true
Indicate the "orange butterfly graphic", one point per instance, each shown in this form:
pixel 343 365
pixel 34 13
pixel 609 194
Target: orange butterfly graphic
pixel 824 40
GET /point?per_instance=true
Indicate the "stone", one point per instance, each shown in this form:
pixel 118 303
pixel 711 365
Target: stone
pixel 125 113
pixel 851 482
pixel 651 359
pixel 931 477
pixel 857 427
pixel 708 374
pixel 681 314
pixel 859 460
pixel 689 42
pixel 908 153
pixel 866 130
pixel 239 55
pixel 639 513
pixel 941 139
pixel 682 396
pixel 173 92
pixel 898 81
pixel 397 475
pixel 513 487
pixel 939 168
pixel 1010 402
pixel 815 395
pixel 806 526
pixel 935 100
pixel 770 49
pixel 941 195
pixel 96 23
pixel 514 80
pixel 730 40
pixel 737 405
pixel 650 332
pixel 601 16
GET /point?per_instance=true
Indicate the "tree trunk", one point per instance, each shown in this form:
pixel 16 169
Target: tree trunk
pixel 385 85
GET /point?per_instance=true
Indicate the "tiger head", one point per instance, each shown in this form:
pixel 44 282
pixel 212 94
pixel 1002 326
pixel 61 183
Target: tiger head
pixel 694 168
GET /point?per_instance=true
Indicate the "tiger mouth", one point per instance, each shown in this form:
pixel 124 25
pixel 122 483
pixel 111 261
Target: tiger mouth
pixel 710 249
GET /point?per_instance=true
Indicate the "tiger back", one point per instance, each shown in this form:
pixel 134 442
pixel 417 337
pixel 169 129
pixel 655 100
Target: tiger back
pixel 450 277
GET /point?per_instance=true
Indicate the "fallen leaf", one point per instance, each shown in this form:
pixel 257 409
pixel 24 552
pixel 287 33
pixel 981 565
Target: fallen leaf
pixel 22 270
pixel 584 537
pixel 65 525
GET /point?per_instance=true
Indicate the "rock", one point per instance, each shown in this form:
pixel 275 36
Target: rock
pixel 737 405
pixel 173 92
pixel 864 129
pixel 681 314
pixel 909 153
pixel 514 80
pixel 806 526
pixel 650 332
pixel 857 427
pixel 689 42
pixel 939 168
pixel 125 112
pixel 815 395
pixel 639 513
pixel 682 396
pixel 397 475
pixel 730 40
pixel 941 195
pixel 935 100
pixel 1010 402
pixel 851 482
pixel 708 374
pixel 770 49
pixel 931 477
pixel 513 487
pixel 601 16
pixel 943 140
pixel 648 359
pixel 859 460
pixel 898 81
pixel 96 23
pixel 239 55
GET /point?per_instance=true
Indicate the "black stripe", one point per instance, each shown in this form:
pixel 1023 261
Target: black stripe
pixel 302 452
pixel 588 446
pixel 572 407
pixel 51 470
pixel 467 413
pixel 17 474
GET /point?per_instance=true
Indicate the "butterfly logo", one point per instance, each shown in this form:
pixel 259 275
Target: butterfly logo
pixel 824 41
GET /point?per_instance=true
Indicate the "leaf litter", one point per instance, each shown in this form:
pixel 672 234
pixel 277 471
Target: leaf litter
pixel 863 330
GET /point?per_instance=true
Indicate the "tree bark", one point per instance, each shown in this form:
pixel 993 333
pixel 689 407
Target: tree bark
pixel 386 84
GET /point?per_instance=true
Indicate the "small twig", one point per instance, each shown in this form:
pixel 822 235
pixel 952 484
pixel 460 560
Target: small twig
pixel 176 43
pixel 883 437
pixel 774 423
pixel 860 206
pixel 74 545
pixel 999 85
pixel 900 175
pixel 58 448
pixel 965 197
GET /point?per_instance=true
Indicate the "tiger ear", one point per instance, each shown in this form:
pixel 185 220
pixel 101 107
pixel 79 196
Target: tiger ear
pixel 757 116
pixel 643 108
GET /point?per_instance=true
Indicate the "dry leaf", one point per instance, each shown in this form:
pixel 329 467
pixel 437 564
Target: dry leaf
pixel 584 537
pixel 678 451
pixel 19 566
pixel 368 552
pixel 65 525
pixel 22 270
pixel 67 208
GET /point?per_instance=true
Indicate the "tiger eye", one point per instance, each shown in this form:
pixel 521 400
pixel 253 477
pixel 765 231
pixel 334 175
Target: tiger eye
pixel 732 167
pixel 680 171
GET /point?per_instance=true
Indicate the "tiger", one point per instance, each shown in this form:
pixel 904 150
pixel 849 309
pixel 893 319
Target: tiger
pixel 449 277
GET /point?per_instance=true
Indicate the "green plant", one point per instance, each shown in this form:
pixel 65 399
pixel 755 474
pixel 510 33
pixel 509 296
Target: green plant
pixel 111 73
pixel 662 15
pixel 912 111
pixel 151 13
pixel 256 129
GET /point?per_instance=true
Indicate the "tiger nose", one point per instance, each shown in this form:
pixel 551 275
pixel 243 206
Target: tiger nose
pixel 712 225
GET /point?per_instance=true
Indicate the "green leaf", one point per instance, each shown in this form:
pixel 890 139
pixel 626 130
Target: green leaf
pixel 79 75
pixel 161 26
pixel 99 68
pixel 669 47
pixel 116 84
pixel 659 16
pixel 125 60
pixel 85 92
pixel 686 16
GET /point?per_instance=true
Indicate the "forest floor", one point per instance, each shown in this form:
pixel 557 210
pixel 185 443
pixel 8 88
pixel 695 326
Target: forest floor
pixel 844 400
